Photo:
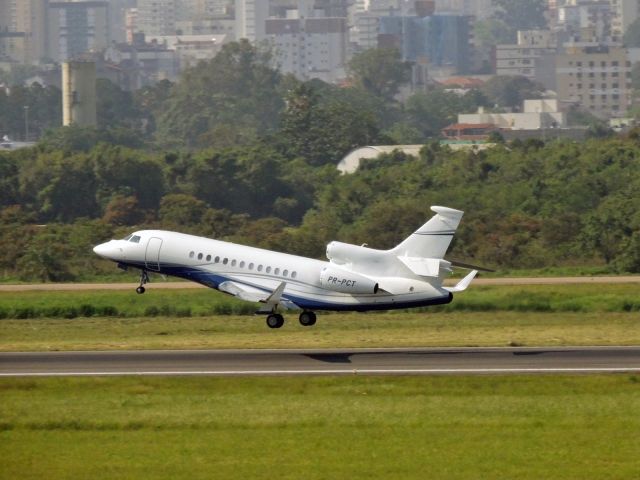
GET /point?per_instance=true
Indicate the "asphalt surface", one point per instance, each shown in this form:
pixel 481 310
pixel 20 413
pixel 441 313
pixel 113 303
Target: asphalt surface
pixel 324 362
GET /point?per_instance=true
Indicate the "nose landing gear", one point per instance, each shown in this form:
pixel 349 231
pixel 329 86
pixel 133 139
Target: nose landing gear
pixel 144 278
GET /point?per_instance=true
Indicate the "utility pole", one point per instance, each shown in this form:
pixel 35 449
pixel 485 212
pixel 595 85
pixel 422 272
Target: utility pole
pixel 26 123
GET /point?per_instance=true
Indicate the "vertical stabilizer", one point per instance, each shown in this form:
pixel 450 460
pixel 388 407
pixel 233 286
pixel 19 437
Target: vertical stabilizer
pixel 434 237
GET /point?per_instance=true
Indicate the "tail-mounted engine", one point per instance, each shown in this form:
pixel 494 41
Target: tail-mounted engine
pixel 345 253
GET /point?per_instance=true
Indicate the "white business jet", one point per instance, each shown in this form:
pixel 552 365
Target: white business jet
pixel 355 278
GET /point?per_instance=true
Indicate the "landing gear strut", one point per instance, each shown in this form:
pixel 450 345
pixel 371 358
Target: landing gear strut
pixel 144 278
pixel 275 320
pixel 307 319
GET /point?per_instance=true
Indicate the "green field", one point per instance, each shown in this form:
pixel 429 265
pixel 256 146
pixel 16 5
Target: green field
pixel 483 316
pixel 535 427
pixel 205 302
pixel 332 331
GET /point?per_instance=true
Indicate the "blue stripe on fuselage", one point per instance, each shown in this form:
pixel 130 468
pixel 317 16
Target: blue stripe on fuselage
pixel 213 280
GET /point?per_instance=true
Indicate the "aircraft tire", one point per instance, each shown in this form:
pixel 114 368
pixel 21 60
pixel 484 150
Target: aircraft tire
pixel 275 320
pixel 140 290
pixel 307 319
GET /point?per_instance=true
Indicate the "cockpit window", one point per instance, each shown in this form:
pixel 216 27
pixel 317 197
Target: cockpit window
pixel 135 239
pixel 126 239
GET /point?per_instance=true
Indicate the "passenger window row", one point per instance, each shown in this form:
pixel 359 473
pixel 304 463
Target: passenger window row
pixel 243 264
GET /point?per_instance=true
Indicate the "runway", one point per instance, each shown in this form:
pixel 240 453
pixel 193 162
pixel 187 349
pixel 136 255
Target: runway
pixel 416 361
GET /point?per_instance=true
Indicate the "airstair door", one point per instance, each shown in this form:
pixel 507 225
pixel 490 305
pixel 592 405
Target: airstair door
pixel 152 255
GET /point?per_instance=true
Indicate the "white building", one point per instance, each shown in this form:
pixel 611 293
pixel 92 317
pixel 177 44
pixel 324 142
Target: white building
pixel 310 47
pixel 191 49
pixel 537 114
pixel 521 59
pixel 251 16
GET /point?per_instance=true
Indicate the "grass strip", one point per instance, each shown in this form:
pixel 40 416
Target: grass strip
pixel 197 302
pixel 526 427
pixel 331 331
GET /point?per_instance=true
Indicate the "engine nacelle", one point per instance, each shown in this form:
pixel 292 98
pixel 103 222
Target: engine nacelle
pixel 345 253
pixel 347 282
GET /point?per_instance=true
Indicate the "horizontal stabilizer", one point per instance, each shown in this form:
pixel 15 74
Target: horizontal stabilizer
pixel 425 267
pixel 468 266
pixel 463 284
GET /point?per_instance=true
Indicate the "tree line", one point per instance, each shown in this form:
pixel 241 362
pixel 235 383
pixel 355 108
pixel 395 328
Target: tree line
pixel 528 204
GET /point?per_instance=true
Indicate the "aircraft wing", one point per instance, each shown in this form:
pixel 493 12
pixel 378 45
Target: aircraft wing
pixel 251 294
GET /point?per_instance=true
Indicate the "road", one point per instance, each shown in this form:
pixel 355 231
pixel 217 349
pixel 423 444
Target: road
pixel 187 285
pixel 402 361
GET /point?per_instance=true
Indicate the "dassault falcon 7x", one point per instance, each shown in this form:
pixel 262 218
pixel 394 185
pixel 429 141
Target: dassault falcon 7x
pixel 355 278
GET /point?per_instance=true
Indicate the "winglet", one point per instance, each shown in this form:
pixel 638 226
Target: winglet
pixel 463 284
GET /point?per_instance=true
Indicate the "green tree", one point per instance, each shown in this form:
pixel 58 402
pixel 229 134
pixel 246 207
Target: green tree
pixel 511 91
pixel 59 187
pixel 126 172
pixel 114 106
pixel 238 88
pixel 323 132
pixel 380 71
pixel 432 111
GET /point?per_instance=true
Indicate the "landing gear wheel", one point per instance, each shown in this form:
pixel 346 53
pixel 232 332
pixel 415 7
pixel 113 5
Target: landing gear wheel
pixel 275 320
pixel 307 319
pixel 144 278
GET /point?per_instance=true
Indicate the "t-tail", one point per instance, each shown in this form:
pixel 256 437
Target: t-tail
pixel 432 239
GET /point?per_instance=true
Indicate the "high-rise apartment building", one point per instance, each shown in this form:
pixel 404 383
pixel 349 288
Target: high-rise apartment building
pixel 22 30
pixel 522 59
pixel 310 47
pixel 596 78
pixel 438 41
pixel 77 27
pixel 251 16
pixel 157 17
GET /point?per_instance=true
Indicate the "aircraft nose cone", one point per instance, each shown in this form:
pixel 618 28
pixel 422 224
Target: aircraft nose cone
pixel 101 249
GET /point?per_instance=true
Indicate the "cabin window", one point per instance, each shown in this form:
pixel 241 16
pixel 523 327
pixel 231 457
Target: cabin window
pixel 294 274
pixel 233 263
pixel 241 264
pixel 199 256
pixel 208 258
pixel 192 254
pixel 285 273
pixel 268 270
pixel 217 260
pixel 276 271
pixel 259 268
pixel 251 266
pixel 135 239
pixel 225 261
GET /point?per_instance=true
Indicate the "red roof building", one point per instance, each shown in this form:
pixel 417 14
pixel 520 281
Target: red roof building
pixel 469 131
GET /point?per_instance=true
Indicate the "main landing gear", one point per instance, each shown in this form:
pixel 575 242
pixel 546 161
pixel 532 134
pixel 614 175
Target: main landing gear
pixel 307 319
pixel 144 278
